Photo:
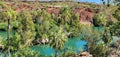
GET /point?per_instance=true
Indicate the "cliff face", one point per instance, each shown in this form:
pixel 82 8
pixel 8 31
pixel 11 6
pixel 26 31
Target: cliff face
pixel 86 14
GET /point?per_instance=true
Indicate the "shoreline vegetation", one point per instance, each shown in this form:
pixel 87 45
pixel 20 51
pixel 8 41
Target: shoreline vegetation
pixel 54 23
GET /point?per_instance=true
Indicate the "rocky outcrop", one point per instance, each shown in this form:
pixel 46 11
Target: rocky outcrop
pixel 86 14
pixel 85 54
pixel 113 56
pixel 53 10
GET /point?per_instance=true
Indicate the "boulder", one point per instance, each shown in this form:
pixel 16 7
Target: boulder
pixel 113 56
pixel 46 40
pixel 85 54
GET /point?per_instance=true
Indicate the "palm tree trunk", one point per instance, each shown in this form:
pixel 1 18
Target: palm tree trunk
pixel 8 36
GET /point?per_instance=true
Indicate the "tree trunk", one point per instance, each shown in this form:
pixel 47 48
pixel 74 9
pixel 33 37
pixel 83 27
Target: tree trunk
pixel 8 36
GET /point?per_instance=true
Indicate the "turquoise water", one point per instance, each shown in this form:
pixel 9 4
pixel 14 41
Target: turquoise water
pixel 46 50
pixel 3 35
pixel 74 44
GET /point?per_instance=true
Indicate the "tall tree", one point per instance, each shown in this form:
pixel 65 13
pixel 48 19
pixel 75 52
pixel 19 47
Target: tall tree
pixel 58 38
pixel 27 28
pixel 9 14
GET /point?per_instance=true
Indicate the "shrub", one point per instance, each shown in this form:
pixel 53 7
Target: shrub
pixel 95 44
pixel 115 29
pixel 116 14
pixel 57 38
pixel 2 44
pixel 26 52
pixel 99 19
pixel 26 28
pixel 69 52
pixel 3 26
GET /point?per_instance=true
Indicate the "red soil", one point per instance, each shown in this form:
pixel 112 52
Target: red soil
pixel 86 14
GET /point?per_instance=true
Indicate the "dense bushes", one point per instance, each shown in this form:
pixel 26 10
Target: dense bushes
pixel 115 29
pixel 26 52
pixel 33 27
pixel 95 42
pixel 116 14
pixel 70 21
pixel 100 19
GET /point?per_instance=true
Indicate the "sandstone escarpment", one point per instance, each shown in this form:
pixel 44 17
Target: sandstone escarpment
pixel 86 14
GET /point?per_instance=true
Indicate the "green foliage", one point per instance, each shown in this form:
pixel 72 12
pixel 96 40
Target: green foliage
pixel 29 26
pixel 99 19
pixel 58 37
pixel 26 28
pixel 74 26
pixel 9 12
pixel 95 44
pixel 2 17
pixel 43 24
pixel 3 26
pixel 70 21
pixel 117 14
pixel 16 42
pixel 46 28
pixel 101 50
pixel 107 37
pixel 26 52
pixel 52 55
pixel 65 16
pixel 2 44
pixel 116 44
pixel 68 53
pixel 115 29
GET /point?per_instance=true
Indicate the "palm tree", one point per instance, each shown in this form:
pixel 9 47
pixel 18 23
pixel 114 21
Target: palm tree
pixel 8 37
pixel 8 14
pixel 58 38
